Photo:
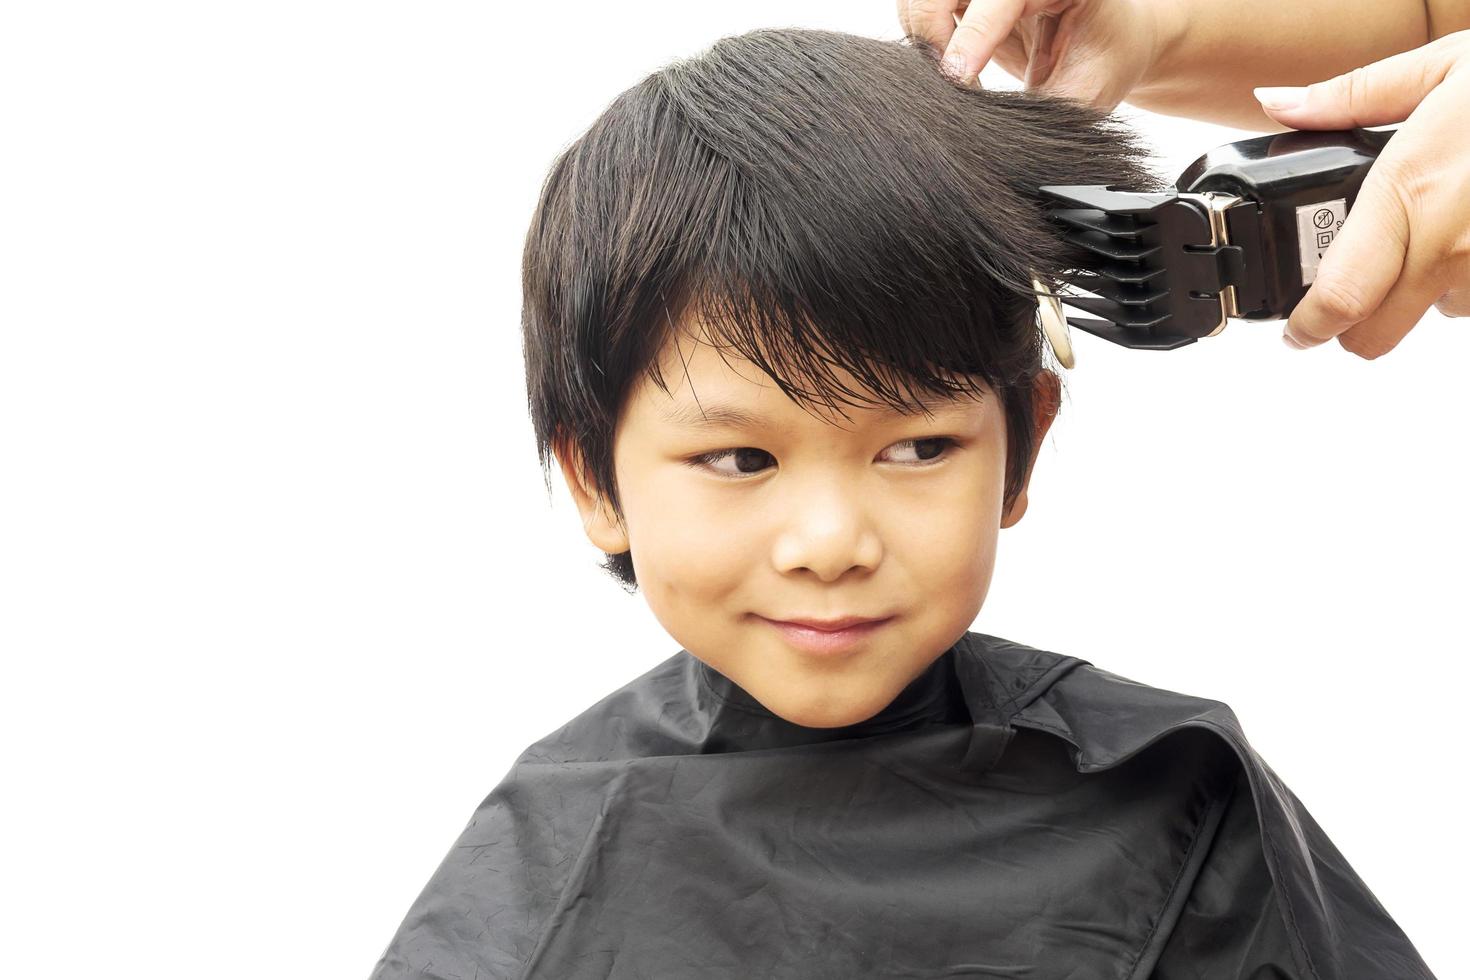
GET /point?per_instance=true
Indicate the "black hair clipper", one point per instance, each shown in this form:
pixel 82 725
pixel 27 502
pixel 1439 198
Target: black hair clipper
pixel 1240 234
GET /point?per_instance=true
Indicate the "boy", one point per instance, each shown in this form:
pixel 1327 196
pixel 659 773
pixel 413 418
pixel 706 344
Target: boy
pixel 779 334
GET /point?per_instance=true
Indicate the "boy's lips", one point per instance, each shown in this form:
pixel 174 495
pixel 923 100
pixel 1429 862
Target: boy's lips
pixel 830 625
pixel 851 636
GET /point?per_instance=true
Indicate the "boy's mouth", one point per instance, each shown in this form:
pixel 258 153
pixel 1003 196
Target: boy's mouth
pixel 811 639
pixel 830 625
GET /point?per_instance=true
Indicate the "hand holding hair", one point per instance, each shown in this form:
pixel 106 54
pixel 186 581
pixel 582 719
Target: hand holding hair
pixel 1406 243
pixel 1095 51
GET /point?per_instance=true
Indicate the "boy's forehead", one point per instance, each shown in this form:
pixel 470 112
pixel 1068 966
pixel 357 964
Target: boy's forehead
pixel 694 366
pixel 712 383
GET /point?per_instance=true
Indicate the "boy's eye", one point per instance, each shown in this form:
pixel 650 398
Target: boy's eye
pixel 747 460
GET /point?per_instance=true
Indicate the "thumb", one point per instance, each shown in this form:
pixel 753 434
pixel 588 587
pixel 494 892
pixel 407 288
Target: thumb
pixel 1385 91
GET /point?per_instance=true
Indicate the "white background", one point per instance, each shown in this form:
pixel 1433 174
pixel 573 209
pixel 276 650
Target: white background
pixel 281 592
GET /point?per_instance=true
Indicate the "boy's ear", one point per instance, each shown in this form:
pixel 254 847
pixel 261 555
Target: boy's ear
pixel 602 529
pixel 1046 397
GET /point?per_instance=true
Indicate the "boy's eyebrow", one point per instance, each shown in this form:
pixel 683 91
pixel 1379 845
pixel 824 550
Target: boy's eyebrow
pixel 711 416
pixel 728 416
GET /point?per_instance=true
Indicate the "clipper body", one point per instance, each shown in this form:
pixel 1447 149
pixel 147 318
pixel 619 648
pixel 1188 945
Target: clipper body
pixel 1240 234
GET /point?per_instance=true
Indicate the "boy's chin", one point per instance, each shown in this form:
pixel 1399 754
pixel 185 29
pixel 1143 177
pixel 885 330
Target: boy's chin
pixel 809 714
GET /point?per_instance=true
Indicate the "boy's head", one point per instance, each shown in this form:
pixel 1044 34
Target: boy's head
pixel 826 234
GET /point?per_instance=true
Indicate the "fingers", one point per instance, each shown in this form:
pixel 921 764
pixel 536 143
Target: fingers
pixel 985 24
pixel 1043 58
pixel 1404 246
pixel 932 20
pixel 1399 313
pixel 1358 269
pixel 1385 91
pixel 1379 277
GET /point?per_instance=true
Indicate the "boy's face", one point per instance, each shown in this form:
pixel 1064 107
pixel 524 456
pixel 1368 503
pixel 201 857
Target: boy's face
pixel 810 519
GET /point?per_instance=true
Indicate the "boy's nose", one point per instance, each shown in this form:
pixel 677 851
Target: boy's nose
pixel 828 532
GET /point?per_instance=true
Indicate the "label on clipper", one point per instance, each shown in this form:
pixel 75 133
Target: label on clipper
pixel 1316 226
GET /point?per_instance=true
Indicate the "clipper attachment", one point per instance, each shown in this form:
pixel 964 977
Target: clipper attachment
pixel 1164 270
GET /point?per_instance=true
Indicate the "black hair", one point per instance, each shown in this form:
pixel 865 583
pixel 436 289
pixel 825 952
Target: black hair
pixel 813 198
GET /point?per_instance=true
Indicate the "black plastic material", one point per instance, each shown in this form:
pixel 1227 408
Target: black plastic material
pixel 1012 813
pixel 1156 275
pixel 1278 173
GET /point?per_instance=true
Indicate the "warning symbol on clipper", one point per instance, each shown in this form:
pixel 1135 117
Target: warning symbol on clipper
pixel 1316 227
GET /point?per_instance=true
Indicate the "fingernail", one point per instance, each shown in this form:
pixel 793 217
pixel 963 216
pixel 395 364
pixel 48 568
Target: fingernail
pixel 1282 97
pixel 954 63
pixel 1291 342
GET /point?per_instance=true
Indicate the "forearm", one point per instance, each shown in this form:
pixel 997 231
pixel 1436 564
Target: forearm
pixel 1213 52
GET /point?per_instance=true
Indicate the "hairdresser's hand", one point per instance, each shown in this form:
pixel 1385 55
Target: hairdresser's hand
pixel 1095 51
pixel 1406 242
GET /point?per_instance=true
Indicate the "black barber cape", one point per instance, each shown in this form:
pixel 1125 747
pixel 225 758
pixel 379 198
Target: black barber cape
pixel 1013 813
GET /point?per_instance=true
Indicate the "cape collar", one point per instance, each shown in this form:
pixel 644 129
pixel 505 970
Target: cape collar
pixel 980 680
pixel 934 697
